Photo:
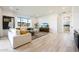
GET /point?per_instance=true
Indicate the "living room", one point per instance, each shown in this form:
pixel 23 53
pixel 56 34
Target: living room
pixel 45 28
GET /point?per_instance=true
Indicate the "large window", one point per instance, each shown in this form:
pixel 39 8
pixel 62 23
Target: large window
pixel 24 21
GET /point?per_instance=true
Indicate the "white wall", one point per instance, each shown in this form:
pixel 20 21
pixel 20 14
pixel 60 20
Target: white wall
pixel 8 13
pixel 34 21
pixel 75 15
pixel 59 23
pixel 51 20
pixel 1 33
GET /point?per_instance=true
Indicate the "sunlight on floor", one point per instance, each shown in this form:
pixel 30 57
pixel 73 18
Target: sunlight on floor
pixel 52 42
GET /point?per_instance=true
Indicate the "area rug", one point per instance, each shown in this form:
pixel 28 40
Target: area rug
pixel 39 34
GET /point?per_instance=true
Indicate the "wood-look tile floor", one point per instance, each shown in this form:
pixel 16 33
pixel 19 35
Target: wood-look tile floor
pixel 52 42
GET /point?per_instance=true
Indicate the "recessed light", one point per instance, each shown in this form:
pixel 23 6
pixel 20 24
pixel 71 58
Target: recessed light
pixel 64 12
pixel 37 15
pixel 11 8
pixel 17 9
pixel 63 8
pixel 50 11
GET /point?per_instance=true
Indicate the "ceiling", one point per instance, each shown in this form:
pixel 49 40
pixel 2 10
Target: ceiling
pixel 37 11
